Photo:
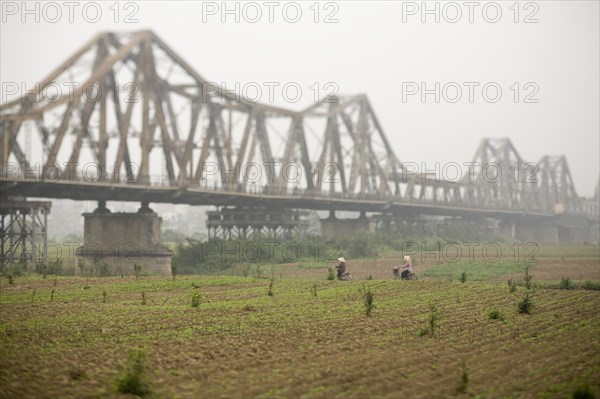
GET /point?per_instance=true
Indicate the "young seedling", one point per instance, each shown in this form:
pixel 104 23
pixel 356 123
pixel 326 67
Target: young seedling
pixel 52 296
pixel 103 296
pixel 495 314
pixel 512 284
pixel 81 266
pixel 528 278
pixel 196 299
pixel 464 378
pixel 463 277
pixel 11 279
pixel 314 290
pixel 173 269
pixel 143 298
pixel 434 316
pixel 368 298
pixel 137 268
pixel 330 274
pixel 270 292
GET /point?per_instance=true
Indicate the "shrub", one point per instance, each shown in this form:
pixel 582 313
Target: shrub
pixel 565 283
pixel 81 265
pixel 591 285
pixel 103 296
pixel 463 277
pixel 102 269
pixel 52 267
pixel 330 274
pixel 143 298
pixel 170 235
pixel 258 272
pixel 370 277
pixel 526 305
pixel 197 257
pixel 583 392
pixel 133 379
pixel 246 270
pixel 11 279
pixel 361 245
pixel 495 314
pixel 196 299
pixel 314 290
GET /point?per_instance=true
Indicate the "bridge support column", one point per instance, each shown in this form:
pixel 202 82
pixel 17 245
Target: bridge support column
pixel 333 227
pixel 546 232
pixel 24 233
pixel 113 242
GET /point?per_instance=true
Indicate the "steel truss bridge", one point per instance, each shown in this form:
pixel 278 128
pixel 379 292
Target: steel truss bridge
pixel 125 118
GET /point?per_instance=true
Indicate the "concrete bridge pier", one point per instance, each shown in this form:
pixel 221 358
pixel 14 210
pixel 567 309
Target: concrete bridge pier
pixel 114 242
pixel 333 227
pixel 561 229
pixel 541 232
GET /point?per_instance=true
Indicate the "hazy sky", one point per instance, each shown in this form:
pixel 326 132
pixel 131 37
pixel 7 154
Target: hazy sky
pixel 381 49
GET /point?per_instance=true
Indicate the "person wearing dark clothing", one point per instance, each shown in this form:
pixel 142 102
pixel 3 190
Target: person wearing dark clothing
pixel 341 267
pixel 407 268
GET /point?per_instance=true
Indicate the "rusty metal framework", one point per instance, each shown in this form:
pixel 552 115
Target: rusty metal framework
pixel 498 176
pixel 256 224
pixel 556 188
pixel 24 234
pixel 145 117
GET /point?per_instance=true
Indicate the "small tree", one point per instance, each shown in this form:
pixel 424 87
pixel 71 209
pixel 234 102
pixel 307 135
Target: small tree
pixel 270 292
pixel 133 379
pixel 464 377
pixel 434 316
pixel 526 305
pixel 368 299
pixel 137 268
pixel 527 279
pixel 173 269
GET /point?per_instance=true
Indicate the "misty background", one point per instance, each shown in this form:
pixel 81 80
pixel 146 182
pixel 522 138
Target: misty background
pixel 374 49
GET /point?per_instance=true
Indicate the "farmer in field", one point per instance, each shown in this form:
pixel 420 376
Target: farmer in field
pixel 407 267
pixel 341 267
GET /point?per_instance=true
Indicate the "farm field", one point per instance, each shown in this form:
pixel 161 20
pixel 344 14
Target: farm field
pixel 70 337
